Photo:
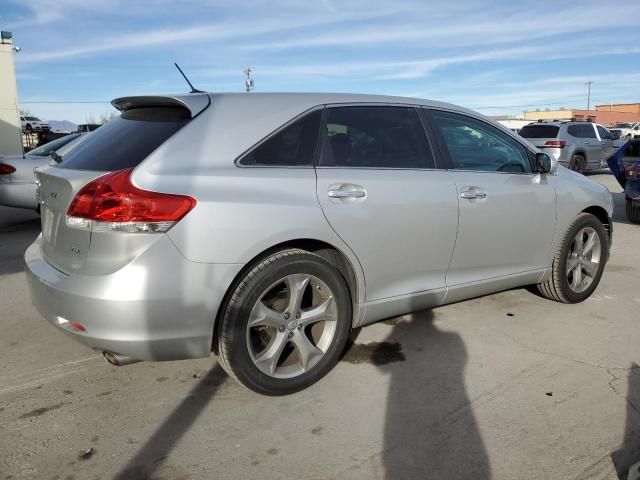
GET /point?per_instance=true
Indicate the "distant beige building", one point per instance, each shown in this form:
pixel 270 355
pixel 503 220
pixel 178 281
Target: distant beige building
pixel 605 117
pixel 620 107
pixel 10 135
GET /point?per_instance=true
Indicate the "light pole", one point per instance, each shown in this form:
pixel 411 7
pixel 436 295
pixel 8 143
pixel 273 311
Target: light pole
pixel 248 81
pixel 588 94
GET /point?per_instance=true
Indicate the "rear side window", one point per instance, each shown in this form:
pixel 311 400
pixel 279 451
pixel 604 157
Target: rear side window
pixel 375 137
pixel 584 130
pixel 293 146
pixel 126 141
pixel 539 131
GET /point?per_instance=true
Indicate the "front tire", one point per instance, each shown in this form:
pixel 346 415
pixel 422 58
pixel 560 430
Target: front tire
pixel 285 324
pixel 633 211
pixel 579 262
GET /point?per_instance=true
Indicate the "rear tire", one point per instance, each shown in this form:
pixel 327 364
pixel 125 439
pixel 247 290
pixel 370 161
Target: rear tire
pixel 574 277
pixel 286 323
pixel 633 211
pixel 577 163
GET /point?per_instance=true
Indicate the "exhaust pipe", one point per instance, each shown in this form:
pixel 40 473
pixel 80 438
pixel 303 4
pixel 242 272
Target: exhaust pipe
pixel 118 360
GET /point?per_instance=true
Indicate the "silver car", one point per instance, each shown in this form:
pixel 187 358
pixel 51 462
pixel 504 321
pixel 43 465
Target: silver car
pixel 578 146
pixel 17 179
pixel 264 227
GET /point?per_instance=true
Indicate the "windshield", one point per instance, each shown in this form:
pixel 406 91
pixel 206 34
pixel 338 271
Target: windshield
pixel 623 125
pixel 47 148
pixel 33 119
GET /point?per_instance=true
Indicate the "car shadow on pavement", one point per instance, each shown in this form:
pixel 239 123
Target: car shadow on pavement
pixel 14 240
pixel 430 428
pixel 151 457
pixel 629 452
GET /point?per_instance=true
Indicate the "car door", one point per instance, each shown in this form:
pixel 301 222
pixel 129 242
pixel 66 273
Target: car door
pixel 381 192
pixel 606 142
pixel 507 212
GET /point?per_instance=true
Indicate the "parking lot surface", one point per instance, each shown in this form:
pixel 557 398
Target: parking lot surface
pixel 504 386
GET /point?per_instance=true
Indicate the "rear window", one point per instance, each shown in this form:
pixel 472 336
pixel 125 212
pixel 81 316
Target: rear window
pixel 539 131
pixel 126 141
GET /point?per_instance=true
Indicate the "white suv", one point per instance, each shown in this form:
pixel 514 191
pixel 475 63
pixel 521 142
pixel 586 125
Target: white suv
pixel 33 124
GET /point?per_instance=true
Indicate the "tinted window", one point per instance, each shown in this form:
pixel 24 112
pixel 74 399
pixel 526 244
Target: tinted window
pixel 47 148
pixel 293 146
pixel 539 131
pixel 604 133
pixel 377 137
pixel 475 145
pixel 126 141
pixel 584 130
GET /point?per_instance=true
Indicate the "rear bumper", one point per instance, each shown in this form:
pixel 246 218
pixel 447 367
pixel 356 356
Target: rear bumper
pixel 158 307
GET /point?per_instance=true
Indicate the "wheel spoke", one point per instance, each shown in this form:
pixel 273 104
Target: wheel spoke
pixel 323 312
pixel 579 242
pixel 577 279
pixel 296 284
pixel 589 244
pixel 307 351
pixel 572 263
pixel 261 315
pixel 268 359
pixel 590 268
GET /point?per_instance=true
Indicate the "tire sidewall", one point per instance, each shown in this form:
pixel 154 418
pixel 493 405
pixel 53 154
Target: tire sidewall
pixel 248 292
pixel 578 162
pixel 584 221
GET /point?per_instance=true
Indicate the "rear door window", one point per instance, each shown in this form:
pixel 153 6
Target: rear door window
pixel 539 131
pixel 126 141
pixel 292 146
pixel 375 137
pixel 584 130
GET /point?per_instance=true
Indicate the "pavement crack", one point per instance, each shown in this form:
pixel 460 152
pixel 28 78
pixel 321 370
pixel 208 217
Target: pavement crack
pixel 566 357
pixel 613 388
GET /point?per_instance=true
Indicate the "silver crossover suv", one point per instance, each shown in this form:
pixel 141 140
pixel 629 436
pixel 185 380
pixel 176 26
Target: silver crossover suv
pixel 264 227
pixel 576 145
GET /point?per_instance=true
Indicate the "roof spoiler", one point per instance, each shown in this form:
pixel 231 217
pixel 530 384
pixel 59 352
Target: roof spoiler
pixel 195 103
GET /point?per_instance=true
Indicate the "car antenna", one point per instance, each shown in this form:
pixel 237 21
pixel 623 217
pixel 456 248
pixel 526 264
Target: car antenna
pixel 193 89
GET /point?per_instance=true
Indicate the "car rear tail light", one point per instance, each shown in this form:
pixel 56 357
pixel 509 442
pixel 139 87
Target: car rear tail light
pixel 6 169
pixel 632 172
pixel 111 203
pixel 555 144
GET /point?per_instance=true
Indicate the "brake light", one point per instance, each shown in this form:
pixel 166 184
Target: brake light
pixel 632 172
pixel 6 169
pixel 112 203
pixel 555 144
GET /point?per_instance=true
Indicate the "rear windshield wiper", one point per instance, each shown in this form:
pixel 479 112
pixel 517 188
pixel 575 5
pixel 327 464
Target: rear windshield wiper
pixel 56 157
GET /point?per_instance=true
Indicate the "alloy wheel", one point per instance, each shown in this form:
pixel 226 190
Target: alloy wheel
pixel 584 259
pixel 291 326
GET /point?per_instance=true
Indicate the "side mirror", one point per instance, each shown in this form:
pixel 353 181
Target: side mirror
pixel 544 163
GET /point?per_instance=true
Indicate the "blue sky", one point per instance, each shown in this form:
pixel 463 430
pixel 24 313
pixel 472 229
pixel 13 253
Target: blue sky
pixel 512 55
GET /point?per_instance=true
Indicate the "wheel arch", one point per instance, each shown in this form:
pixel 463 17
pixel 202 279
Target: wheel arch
pixel 601 214
pixel 333 255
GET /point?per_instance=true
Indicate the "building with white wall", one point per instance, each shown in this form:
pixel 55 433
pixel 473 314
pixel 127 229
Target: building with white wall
pixel 10 134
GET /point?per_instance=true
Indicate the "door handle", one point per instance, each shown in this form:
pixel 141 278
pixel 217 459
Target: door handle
pixel 346 193
pixel 472 194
